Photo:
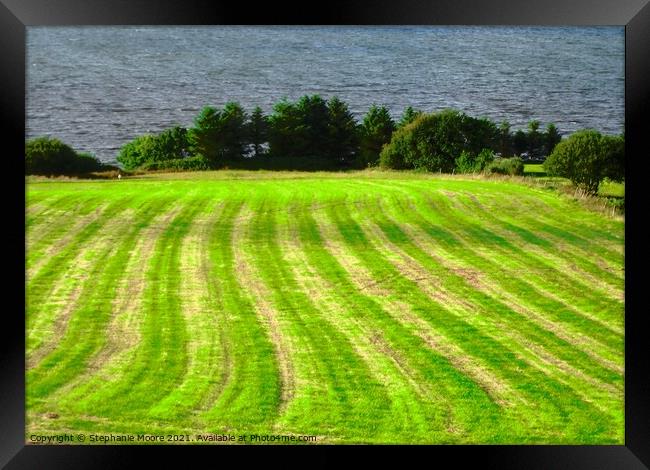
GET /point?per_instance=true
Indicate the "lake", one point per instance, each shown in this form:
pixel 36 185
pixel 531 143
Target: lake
pixel 96 88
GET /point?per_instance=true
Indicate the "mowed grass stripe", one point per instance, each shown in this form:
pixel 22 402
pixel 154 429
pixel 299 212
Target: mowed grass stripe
pixel 469 290
pixel 57 270
pixel 380 309
pixel 285 346
pixel 86 330
pixel 248 396
pixel 419 372
pixel 47 316
pixel 53 231
pixel 460 238
pixel 593 314
pixel 124 327
pixel 605 391
pixel 49 320
pixel 495 281
pixel 571 261
pixel 45 211
pixel 38 254
pixel 454 377
pixel 536 255
pixel 339 398
pixel 160 359
pixel 203 344
pixel 422 272
pixel 534 384
pixel 593 236
pixel 301 246
pixel 472 226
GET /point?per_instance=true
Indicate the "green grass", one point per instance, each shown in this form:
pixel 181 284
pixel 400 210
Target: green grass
pixel 361 307
pixel 534 169
pixel 611 189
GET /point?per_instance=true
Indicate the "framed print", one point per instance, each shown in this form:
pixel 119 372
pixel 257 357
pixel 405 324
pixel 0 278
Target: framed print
pixel 396 225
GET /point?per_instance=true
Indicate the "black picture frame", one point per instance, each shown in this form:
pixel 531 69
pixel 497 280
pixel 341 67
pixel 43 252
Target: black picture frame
pixel 16 15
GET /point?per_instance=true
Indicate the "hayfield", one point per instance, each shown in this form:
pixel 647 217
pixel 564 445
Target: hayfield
pixel 371 307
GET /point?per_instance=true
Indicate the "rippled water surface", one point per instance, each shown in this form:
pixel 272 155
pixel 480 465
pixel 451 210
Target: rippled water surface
pixel 98 87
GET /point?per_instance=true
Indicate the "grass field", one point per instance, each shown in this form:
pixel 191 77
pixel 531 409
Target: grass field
pixel 377 307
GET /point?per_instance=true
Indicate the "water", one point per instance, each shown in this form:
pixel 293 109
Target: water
pixel 99 87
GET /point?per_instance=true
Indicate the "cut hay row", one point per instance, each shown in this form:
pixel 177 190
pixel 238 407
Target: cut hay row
pixel 358 310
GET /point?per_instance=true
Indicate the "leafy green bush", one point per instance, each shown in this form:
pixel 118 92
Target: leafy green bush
pixel 87 163
pixel 615 166
pixel 470 163
pixel 433 142
pixel 44 155
pixel 506 166
pixel 50 156
pixel 586 158
pixel 170 144
pixel 135 153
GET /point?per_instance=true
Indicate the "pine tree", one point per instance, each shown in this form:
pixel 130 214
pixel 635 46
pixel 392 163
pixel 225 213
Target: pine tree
pixel 551 138
pixel 408 116
pixel 204 136
pixel 376 130
pixel 343 138
pixel 258 131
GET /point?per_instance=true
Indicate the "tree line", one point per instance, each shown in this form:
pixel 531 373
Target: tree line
pixel 313 132
pixel 317 134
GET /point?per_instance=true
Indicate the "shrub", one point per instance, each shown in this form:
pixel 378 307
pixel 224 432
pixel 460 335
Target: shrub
pixel 466 163
pixel 506 166
pixel 470 163
pixel 434 141
pixel 615 167
pixel 135 153
pixel 168 145
pixel 50 156
pixel 87 163
pixel 586 158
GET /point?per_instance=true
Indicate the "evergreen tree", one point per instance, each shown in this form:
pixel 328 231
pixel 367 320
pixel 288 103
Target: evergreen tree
pixel 520 142
pixel 233 131
pixel 504 139
pixel 551 138
pixel 287 137
pixel 258 131
pixel 535 140
pixel 314 117
pixel 408 116
pixel 204 136
pixel 343 138
pixel 376 130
